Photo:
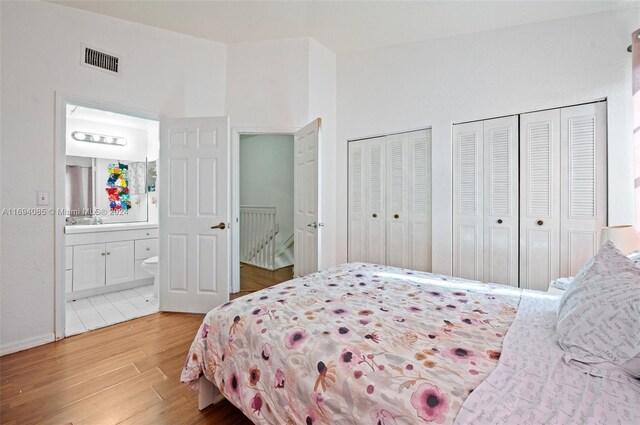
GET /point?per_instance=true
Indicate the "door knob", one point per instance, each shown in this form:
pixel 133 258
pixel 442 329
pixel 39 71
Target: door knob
pixel 375 215
pixel 220 226
pixel 314 225
pixel 396 216
pixel 499 221
pixel 539 222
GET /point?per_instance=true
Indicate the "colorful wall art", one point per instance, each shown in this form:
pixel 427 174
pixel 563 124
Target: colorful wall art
pixel 118 187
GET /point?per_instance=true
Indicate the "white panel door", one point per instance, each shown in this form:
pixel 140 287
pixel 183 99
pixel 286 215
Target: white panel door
pixel 584 183
pixel 397 242
pixel 307 218
pixel 88 266
pixel 501 201
pixel 468 239
pixel 418 168
pixel 120 262
pixel 376 194
pixel 357 201
pixel 194 213
pixel 539 199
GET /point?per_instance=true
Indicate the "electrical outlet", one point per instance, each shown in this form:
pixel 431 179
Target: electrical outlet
pixel 43 198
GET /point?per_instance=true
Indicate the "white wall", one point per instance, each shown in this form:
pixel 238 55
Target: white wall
pixel 162 72
pixel 266 177
pixel 284 84
pixel 484 75
pixel 322 103
pixel 268 83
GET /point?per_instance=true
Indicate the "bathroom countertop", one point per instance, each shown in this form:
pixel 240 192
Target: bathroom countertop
pixel 111 227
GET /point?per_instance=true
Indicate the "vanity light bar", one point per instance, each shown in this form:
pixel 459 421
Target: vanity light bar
pixel 98 138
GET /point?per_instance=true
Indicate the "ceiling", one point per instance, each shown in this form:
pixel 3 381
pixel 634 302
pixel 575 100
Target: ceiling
pixel 339 25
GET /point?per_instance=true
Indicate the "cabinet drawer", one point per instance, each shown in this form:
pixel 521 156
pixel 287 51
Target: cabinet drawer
pixel 146 248
pixel 68 276
pixel 139 273
pixel 68 258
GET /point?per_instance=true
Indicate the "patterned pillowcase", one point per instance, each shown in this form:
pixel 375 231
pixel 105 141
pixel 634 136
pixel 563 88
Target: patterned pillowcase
pixel 599 314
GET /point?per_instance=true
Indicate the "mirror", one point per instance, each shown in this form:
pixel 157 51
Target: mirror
pixel 101 190
pixel 152 175
pixel 79 189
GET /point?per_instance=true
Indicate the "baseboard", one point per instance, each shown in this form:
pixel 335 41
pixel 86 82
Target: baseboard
pixel 26 343
pixel 70 296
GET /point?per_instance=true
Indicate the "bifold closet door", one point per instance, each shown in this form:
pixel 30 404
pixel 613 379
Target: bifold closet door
pixel 583 184
pixel 468 223
pixel 539 199
pixel 375 214
pixel 501 201
pixel 397 201
pixel 408 186
pixel 367 164
pixel 419 205
pixel 357 200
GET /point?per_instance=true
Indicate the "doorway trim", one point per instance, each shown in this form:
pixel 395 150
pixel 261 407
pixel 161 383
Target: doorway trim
pixel 59 190
pixel 234 285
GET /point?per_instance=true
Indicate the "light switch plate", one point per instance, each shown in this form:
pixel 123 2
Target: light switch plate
pixel 43 198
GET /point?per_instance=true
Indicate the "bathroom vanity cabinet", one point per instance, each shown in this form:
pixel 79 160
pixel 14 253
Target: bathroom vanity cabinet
pixel 106 258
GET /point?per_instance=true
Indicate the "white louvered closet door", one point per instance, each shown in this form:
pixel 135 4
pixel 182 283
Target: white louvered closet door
pixel 419 199
pixel 397 201
pixel 374 236
pixel 468 198
pixel 583 184
pixel 357 201
pixel 539 199
pixel 501 201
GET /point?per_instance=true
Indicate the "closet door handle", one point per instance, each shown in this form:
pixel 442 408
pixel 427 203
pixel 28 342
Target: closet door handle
pixel 539 222
pixel 220 226
pixel 103 254
pixel 396 216
pixel 375 215
pixel 499 221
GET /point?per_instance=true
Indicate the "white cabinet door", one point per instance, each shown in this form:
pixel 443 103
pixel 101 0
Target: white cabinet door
pixel 88 266
pixel 418 168
pixel 375 235
pixel 120 262
pixel 539 199
pixel 468 239
pixel 357 201
pixel 584 184
pixel 501 201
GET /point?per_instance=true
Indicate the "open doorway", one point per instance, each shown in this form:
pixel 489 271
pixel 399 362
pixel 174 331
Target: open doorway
pixel 266 210
pixel 110 217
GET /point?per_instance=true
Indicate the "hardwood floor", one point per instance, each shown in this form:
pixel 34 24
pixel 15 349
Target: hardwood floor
pixel 254 278
pixel 123 374
pixel 128 373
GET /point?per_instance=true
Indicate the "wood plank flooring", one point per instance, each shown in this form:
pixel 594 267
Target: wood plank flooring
pixel 127 373
pixel 254 278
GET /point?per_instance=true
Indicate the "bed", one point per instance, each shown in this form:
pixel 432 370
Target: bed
pixel 369 344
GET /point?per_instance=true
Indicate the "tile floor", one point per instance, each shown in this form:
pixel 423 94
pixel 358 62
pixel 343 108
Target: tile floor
pixel 99 311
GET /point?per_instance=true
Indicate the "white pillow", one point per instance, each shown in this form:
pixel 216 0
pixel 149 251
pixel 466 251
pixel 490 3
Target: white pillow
pixel 599 314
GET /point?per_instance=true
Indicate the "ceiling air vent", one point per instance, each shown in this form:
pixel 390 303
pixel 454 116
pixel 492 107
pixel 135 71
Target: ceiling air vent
pixel 102 60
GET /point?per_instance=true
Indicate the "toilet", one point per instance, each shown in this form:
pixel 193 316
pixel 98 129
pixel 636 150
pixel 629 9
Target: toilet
pixel 150 265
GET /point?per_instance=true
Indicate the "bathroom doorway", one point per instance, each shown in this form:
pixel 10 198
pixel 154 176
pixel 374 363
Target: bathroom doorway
pixel 263 182
pixel 107 232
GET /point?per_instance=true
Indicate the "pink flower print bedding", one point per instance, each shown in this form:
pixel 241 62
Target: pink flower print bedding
pixel 356 344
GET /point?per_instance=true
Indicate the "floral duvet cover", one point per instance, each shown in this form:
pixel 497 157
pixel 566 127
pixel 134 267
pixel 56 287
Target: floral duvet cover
pixel 356 344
